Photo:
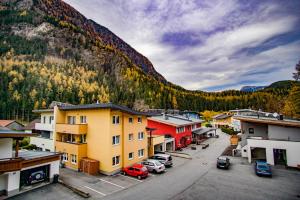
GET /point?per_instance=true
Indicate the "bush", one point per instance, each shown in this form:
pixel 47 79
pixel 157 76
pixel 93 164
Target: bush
pixel 229 131
pixel 30 147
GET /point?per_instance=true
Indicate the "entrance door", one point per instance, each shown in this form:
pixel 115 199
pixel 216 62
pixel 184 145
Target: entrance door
pixel 258 153
pixel 279 156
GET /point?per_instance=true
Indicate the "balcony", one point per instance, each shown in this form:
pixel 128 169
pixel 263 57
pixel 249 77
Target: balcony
pixel 71 128
pixel 72 148
pixel 10 164
pixel 44 127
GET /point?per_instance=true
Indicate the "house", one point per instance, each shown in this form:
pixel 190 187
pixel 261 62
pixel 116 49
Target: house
pixel 112 135
pixel 16 167
pixel 159 143
pixel 175 126
pixel 30 127
pixel 222 120
pixel 45 128
pixel 276 140
pixel 11 124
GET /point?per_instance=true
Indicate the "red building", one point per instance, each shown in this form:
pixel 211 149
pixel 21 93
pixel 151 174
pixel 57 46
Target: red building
pixel 176 126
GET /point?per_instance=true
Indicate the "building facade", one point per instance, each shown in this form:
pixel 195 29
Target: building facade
pixel 276 141
pixel 45 129
pixel 177 127
pixel 113 135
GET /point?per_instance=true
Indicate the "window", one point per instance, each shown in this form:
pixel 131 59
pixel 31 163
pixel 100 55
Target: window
pixel 194 126
pixel 65 157
pixel 82 119
pixel 83 138
pixel 73 159
pixel 130 156
pixel 141 135
pixel 116 140
pixel 141 153
pixel 139 120
pixel 116 119
pixel 71 120
pixel 44 120
pixel 179 129
pixel 51 118
pixel 130 120
pixel 130 136
pixel 116 160
pixel 251 130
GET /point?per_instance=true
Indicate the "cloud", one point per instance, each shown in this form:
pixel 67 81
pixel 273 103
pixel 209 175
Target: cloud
pixel 208 45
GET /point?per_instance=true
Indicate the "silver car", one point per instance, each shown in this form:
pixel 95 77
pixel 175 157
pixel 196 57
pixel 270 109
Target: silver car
pixel 163 158
pixel 154 166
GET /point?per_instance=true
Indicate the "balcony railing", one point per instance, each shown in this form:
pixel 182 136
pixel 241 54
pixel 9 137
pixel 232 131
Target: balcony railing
pixel 71 128
pixel 44 127
pixel 10 164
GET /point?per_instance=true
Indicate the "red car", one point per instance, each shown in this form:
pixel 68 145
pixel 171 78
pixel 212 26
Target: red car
pixel 136 170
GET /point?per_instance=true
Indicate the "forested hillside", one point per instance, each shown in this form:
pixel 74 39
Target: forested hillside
pixel 49 51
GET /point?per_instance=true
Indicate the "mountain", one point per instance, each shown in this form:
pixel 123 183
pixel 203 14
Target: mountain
pixel 252 88
pixel 51 52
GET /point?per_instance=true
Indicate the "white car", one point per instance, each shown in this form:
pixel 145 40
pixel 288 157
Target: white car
pixel 154 166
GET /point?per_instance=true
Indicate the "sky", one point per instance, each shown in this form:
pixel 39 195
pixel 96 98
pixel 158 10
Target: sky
pixel 209 45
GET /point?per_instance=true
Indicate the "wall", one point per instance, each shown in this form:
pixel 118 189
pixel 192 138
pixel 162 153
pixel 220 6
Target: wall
pixel 260 130
pixel 292 150
pixel 6 147
pixel 43 143
pixel 284 133
pixel 13 182
pixel 136 144
pixel 165 129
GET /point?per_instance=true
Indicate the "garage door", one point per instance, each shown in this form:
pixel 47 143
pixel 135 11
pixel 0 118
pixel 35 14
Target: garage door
pixel 258 153
pixel 34 175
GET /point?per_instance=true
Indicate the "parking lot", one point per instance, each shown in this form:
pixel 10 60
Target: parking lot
pixel 188 179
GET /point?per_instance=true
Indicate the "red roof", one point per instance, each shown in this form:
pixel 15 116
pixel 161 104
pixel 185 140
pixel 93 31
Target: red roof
pixel 31 125
pixel 5 123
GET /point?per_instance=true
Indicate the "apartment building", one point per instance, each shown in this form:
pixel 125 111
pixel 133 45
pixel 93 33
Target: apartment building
pixel 45 128
pixel 113 135
pixel 267 138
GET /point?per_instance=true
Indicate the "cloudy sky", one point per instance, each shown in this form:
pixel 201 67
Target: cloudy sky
pixel 210 45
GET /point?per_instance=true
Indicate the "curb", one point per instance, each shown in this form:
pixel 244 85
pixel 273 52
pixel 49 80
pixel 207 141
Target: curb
pixel 180 155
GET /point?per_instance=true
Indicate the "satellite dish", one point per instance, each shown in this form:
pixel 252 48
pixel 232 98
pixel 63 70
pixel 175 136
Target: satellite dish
pixel 275 115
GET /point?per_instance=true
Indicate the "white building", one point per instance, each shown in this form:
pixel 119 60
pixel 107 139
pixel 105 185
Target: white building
pixel 276 141
pixel 23 170
pixel 44 140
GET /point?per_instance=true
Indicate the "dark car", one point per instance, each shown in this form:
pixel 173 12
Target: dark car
pixel 262 168
pixel 36 177
pixel 223 162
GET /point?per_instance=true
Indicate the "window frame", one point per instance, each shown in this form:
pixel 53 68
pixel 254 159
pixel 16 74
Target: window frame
pixel 74 159
pixel 141 134
pixel 130 134
pixel 83 119
pixel 139 153
pixel 116 119
pixel 139 120
pixel 130 158
pixel 114 139
pixel 130 120
pixel 114 159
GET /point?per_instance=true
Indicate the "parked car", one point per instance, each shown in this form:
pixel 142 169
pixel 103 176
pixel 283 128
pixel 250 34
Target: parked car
pixel 262 168
pixel 154 166
pixel 136 170
pixel 164 159
pixel 36 177
pixel 204 146
pixel 223 162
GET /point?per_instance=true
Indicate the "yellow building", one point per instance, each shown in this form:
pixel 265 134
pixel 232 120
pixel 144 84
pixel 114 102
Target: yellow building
pixel 222 120
pixel 113 135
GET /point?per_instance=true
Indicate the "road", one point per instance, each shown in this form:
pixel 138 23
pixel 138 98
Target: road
pixel 179 179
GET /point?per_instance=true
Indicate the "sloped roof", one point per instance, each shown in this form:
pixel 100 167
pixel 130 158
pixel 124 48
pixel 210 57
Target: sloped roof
pixel 31 124
pixel 222 116
pixel 175 120
pixel 5 123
